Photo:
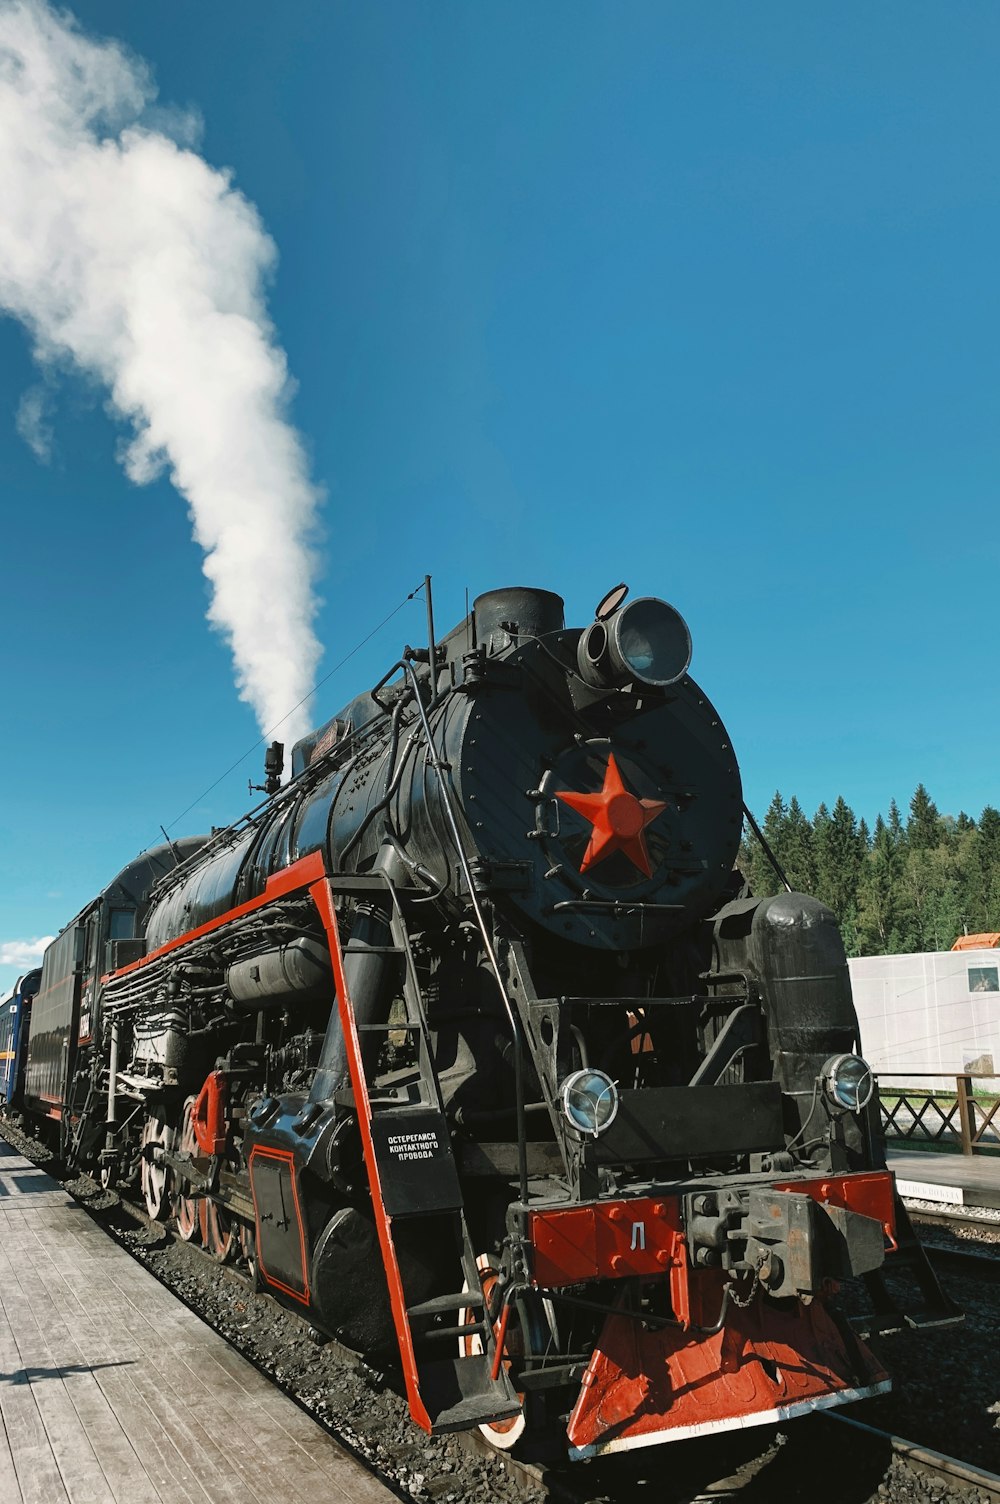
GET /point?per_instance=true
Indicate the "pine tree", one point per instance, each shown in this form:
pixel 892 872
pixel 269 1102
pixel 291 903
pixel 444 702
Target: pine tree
pixel 989 870
pixel 839 855
pixel 878 895
pixel 923 827
pixel 761 874
pixel 797 855
pixel 968 860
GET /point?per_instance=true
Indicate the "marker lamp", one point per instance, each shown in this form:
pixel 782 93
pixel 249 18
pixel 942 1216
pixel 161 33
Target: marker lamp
pixel 848 1082
pixel 589 1101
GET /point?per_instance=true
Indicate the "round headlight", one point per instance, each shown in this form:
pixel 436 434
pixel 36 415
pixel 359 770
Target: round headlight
pixel 651 641
pixel 589 1101
pixel 849 1082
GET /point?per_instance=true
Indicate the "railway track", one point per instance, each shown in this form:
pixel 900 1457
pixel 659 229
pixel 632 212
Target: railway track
pixel 748 1466
pixel 925 1460
pixel 965 1261
pixel 956 1255
pixel 984 1227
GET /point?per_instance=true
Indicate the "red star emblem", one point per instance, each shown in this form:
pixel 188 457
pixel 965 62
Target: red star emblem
pixel 619 820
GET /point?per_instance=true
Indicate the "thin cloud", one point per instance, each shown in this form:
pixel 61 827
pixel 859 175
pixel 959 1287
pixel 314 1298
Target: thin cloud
pixel 34 422
pixel 129 258
pixel 23 953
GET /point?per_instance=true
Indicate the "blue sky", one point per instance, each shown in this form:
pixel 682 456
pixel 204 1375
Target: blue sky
pixel 700 297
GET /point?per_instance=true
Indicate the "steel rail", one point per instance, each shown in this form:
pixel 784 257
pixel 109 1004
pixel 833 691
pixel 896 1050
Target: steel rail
pixel 965 1261
pixel 925 1457
pixel 954 1219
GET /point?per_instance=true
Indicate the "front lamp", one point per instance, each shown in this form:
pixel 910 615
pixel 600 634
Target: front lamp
pixel 644 642
pixel 589 1101
pixel 848 1082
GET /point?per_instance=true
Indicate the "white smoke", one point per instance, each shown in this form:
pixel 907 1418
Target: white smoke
pixel 128 257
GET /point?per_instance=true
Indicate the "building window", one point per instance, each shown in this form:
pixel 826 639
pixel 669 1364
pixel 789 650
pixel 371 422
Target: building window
pixel 984 979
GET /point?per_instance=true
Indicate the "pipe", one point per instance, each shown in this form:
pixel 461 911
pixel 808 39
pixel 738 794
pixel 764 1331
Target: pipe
pixel 368 976
pixel 431 644
pixel 112 1083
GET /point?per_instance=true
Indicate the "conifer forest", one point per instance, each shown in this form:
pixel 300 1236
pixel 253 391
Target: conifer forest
pixel 907 885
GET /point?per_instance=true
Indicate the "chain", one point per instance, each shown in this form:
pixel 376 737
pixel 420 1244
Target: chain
pixel 742 1301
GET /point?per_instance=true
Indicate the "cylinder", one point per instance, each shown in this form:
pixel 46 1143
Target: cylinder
pixel 298 971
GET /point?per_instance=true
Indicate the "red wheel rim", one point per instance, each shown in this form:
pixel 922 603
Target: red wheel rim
pixel 156 1178
pixel 185 1206
pixel 217 1231
pixel 503 1434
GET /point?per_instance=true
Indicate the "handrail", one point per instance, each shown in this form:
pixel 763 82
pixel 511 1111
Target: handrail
pixel 951 1075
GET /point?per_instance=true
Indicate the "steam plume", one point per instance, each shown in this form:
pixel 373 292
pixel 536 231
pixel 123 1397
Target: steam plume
pixel 129 258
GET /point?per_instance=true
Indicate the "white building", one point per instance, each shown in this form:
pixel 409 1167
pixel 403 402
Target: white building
pixel 932 1012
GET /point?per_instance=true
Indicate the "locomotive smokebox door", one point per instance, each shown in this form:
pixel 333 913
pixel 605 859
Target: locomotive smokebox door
pixel 415 1163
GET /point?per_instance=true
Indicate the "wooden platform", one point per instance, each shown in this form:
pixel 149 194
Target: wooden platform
pixel 962 1179
pixel 113 1392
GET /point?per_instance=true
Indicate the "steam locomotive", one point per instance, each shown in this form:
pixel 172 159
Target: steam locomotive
pixel 472 1042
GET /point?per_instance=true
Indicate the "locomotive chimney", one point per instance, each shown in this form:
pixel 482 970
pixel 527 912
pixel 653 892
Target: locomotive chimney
pixel 518 612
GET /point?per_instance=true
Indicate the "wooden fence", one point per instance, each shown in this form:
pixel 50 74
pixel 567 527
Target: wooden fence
pixel 965 1115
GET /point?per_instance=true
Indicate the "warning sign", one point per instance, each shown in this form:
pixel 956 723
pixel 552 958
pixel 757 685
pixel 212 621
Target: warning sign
pixel 415 1162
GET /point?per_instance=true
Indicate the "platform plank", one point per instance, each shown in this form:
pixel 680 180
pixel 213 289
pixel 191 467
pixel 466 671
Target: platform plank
pixel 113 1392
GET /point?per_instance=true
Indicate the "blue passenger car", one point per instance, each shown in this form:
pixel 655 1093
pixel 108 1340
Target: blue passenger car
pixel 15 1020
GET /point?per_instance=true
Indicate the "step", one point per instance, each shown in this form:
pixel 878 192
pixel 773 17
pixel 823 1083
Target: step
pixel 884 1323
pixel 927 1317
pixel 460 1392
pixel 439 1305
pixel 387 1028
pixel 472 1412
pixel 467 1329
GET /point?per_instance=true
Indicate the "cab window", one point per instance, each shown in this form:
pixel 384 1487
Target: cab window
pixel 121 924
